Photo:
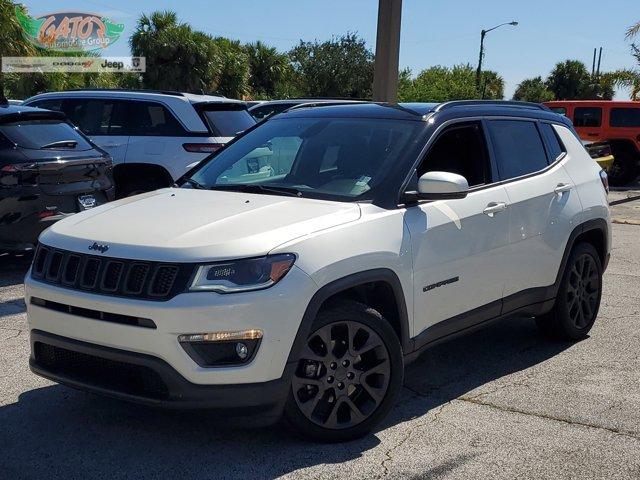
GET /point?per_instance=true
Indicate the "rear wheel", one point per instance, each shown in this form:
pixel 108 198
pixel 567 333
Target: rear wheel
pixel 578 300
pixel 348 375
pixel 624 169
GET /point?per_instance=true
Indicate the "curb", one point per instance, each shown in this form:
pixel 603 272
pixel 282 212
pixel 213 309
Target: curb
pixel 625 221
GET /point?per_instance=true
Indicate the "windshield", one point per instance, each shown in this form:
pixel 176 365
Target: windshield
pixel 50 134
pixel 332 158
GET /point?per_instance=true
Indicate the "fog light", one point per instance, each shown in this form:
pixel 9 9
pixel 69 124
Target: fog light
pixel 242 351
pixel 215 349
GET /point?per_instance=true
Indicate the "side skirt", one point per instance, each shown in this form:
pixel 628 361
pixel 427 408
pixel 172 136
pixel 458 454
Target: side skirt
pixel 532 302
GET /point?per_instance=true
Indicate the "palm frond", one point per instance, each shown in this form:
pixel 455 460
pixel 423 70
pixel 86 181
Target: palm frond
pixel 633 30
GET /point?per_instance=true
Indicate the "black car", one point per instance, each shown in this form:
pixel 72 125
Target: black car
pixel 48 170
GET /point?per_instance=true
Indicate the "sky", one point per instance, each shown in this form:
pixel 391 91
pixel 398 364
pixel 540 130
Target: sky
pixel 434 32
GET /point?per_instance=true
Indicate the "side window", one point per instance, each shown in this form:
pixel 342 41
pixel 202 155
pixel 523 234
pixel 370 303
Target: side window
pixel 518 147
pixel 153 119
pixel 460 149
pixel 49 104
pixel 552 142
pixel 587 117
pixel 625 117
pixel 559 110
pixel 91 116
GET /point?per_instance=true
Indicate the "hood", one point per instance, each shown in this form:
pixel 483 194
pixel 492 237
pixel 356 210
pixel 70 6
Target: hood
pixel 193 225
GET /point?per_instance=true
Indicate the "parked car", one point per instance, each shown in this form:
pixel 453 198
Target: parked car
pixel 48 171
pixel 601 153
pixel 261 110
pixel 301 267
pixel 152 136
pixel 616 123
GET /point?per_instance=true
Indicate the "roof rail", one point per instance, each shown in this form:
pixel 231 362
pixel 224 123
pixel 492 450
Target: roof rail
pixel 141 90
pixel 503 103
pixel 323 104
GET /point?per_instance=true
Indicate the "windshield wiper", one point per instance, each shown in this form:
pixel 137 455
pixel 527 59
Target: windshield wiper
pixel 60 144
pixel 195 184
pixel 256 188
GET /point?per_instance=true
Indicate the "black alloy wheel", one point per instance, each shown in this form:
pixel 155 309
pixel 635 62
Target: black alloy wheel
pixel 348 374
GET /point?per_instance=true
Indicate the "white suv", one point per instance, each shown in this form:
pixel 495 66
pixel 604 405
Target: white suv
pixel 152 136
pixel 312 257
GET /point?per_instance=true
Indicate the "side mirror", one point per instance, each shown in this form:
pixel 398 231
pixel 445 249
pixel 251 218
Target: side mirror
pixel 442 185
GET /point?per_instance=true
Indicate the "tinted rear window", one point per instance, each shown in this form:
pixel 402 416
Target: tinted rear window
pixel 227 122
pixel 36 134
pixel 625 117
pixel 265 111
pixel 587 116
pixel 518 147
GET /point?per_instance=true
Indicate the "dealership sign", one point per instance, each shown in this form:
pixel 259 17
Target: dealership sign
pixel 70 31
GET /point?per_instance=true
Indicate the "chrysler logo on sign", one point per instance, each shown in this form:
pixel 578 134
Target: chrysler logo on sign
pixel 98 248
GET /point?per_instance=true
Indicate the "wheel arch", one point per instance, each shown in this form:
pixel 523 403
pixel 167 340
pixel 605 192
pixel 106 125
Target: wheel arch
pixel 352 287
pixel 595 232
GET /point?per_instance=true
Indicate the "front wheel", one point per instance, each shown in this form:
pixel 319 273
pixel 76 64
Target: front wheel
pixel 348 375
pixel 578 299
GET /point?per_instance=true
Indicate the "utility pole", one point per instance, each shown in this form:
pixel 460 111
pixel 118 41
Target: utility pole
pixel 385 76
pixel 483 33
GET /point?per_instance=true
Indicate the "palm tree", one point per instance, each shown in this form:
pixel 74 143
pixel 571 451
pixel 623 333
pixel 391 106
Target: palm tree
pixel 630 78
pixel 12 40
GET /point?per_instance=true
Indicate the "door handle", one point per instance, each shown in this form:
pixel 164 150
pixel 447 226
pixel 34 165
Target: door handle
pixel 562 188
pixel 494 207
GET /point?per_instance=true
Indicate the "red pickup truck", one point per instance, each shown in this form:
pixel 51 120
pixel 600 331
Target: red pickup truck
pixel 613 123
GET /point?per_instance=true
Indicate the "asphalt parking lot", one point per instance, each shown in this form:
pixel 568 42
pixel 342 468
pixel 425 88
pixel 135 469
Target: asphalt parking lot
pixel 500 403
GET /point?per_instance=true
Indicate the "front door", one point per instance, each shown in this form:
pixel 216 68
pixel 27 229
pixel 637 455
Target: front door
pixel 457 245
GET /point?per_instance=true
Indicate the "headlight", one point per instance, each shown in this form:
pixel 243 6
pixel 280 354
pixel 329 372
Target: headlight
pixel 242 275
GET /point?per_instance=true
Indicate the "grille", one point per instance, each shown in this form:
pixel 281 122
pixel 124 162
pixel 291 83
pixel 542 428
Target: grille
pixel 110 276
pixel 101 372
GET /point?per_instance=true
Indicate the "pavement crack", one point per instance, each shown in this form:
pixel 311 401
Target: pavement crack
pixel 409 432
pixel 614 431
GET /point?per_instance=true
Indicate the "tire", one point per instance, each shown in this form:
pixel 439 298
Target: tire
pixel 342 393
pixel 136 187
pixel 578 299
pixel 624 169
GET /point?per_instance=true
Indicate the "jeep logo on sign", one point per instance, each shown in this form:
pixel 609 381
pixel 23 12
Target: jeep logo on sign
pixel 98 248
pixel 69 31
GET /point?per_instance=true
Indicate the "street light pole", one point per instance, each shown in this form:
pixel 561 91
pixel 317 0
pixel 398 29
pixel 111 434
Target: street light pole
pixel 483 33
pixel 385 76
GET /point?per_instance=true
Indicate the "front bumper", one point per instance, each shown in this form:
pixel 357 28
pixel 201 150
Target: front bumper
pixel 146 379
pixel 277 311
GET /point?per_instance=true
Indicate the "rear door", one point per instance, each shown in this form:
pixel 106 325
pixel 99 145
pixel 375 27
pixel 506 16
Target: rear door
pixel 542 205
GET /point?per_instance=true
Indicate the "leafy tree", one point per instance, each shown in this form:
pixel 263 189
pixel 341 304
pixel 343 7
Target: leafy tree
pixel 12 40
pixel 267 69
pixel 533 90
pixel 570 80
pixel 231 59
pixel 441 84
pixel 177 57
pixel 340 67
pixel 630 78
pixel 492 85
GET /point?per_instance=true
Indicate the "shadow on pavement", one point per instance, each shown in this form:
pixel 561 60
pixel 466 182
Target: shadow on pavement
pixel 58 432
pixel 13 269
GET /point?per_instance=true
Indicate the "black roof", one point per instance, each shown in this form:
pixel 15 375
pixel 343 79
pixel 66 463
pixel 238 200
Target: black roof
pixel 419 111
pixel 10 113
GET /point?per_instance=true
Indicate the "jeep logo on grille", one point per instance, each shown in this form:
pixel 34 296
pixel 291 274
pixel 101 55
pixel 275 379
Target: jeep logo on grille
pixel 99 248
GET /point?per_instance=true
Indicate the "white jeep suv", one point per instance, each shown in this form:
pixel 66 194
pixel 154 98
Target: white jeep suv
pixel 152 136
pixel 297 271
